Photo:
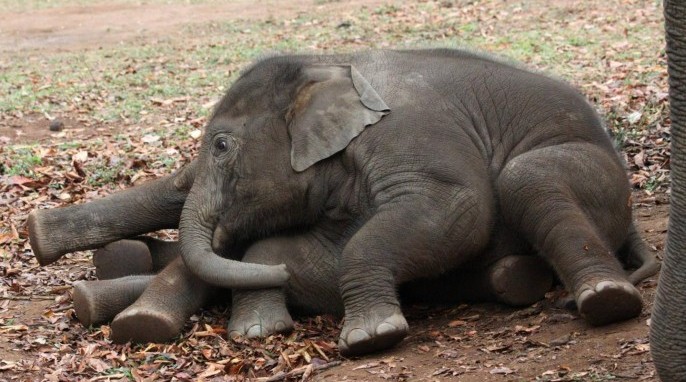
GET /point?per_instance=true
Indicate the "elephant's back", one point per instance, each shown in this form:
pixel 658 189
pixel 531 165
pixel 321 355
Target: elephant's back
pixel 501 109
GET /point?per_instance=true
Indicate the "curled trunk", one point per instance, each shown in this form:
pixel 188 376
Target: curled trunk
pixel 195 235
pixel 668 326
pixel 152 206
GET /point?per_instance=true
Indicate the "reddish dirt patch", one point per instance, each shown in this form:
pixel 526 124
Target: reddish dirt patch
pixel 35 127
pixel 23 312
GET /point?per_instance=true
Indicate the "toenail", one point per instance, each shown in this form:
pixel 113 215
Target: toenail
pixel 385 328
pixel 254 331
pixel 605 285
pixel 357 335
pixel 585 294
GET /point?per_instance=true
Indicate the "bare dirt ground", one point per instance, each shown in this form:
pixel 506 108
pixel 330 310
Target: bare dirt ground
pixel 482 342
pixel 97 25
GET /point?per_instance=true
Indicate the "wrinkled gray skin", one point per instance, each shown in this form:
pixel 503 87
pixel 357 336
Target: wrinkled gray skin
pixel 668 323
pixel 380 169
pixel 398 166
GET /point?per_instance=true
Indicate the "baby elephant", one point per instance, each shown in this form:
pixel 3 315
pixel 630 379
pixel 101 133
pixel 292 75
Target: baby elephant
pixel 380 168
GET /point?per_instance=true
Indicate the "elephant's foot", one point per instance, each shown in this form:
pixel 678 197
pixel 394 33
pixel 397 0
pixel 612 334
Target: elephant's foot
pixel 160 312
pixel 380 329
pixel 520 280
pixel 141 324
pixel 85 305
pixel 608 301
pixel 96 302
pixel 122 258
pixel 260 324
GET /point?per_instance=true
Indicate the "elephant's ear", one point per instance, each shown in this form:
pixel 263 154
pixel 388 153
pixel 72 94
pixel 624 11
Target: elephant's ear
pixel 330 109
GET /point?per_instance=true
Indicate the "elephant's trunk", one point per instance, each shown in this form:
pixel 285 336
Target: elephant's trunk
pixel 668 326
pixel 195 235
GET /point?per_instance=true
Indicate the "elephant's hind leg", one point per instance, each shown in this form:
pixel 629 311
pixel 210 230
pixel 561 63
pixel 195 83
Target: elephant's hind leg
pixel 519 280
pixel 516 280
pixel 571 202
pixel 141 255
pixel 96 302
pixel 160 312
pixel 514 275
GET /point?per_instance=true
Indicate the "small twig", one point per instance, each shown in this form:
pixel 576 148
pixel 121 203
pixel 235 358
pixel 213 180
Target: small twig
pixel 60 289
pixel 26 298
pixel 300 371
pixel 320 351
pixel 285 359
pixel 62 309
pixel 107 377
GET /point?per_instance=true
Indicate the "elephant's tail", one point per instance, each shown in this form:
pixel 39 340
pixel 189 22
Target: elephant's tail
pixel 635 254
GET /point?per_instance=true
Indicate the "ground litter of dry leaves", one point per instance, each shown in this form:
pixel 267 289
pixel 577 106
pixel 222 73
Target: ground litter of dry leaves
pixel 128 86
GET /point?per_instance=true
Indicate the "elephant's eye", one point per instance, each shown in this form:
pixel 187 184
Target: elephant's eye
pixel 221 144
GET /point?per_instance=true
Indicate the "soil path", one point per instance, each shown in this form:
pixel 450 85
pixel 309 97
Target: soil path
pixel 98 25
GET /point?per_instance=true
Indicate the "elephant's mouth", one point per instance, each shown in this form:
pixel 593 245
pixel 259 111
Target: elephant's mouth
pixel 220 240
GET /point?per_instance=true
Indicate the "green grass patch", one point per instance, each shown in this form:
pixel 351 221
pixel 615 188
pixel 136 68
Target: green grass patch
pixel 21 160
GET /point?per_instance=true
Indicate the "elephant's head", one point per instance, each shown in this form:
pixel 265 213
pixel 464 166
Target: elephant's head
pixel 257 172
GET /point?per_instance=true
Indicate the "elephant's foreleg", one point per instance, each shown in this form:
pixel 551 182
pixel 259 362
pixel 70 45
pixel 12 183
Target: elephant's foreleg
pixel 312 287
pixel 163 308
pixel 141 255
pixel 577 220
pixel 416 236
pixel 152 206
pixel 96 302
pixel 259 313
